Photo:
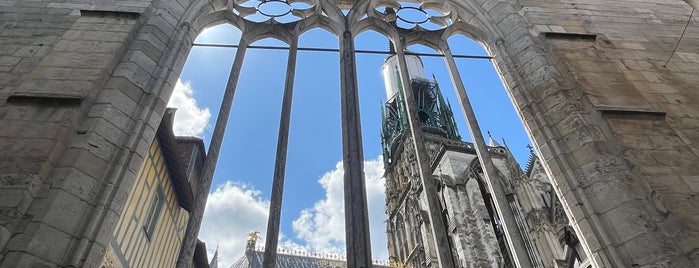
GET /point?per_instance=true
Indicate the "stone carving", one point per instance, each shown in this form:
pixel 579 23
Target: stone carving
pixel 275 11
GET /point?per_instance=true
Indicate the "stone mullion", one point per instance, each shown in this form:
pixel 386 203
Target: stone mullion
pixel 275 207
pixel 356 216
pixel 440 239
pixel 496 183
pixel 202 191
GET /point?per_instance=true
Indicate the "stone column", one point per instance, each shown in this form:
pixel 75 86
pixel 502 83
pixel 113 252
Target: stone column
pixel 275 206
pixel 356 216
pixel 202 192
pixel 501 190
pixel 439 232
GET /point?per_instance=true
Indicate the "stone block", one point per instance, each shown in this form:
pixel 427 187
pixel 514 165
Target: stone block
pixel 645 251
pixel 153 36
pixel 671 109
pixel 22 181
pixel 668 184
pixel 4 236
pixel 678 157
pixel 688 56
pixel 84 161
pixel 585 230
pixel 26 65
pixel 65 45
pixel 638 124
pixel 135 164
pixel 55 88
pixel 104 36
pixel 109 47
pixel 120 198
pixel 162 24
pixel 692 182
pixel 32 51
pixel 9 60
pixel 16 128
pixel 591 154
pixel 95 256
pixel 15 259
pixel 29 147
pixel 105 129
pixel 628 221
pixel 17 198
pixel 102 27
pixel 63 211
pixel 137 75
pixel 143 145
pixel 40 239
pixel 112 114
pixel 518 45
pixel 142 60
pixel 511 22
pixel 87 74
pixel 641 157
pixel 168 17
pixel 116 97
pixel 681 205
pixel 51 72
pixel 604 196
pixel 146 48
pixel 76 183
pixel 25 164
pixel 635 141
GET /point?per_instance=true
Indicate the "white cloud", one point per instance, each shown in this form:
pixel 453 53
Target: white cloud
pixel 233 210
pixel 190 119
pixel 322 227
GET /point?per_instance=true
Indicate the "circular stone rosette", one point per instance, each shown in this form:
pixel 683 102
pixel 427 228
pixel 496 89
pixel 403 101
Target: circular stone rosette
pixel 415 15
pixel 280 11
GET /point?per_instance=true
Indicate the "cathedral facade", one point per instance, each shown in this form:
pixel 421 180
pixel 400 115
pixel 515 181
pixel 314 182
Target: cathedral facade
pixel 475 231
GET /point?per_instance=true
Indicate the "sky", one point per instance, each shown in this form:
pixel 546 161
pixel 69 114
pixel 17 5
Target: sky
pixel 313 211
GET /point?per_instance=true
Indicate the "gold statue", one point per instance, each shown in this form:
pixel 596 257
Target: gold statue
pixel 253 236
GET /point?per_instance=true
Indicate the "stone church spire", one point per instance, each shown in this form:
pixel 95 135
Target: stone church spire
pixel 435 113
pixel 214 259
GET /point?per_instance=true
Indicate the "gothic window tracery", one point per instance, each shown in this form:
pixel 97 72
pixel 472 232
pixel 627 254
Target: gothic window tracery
pixel 417 15
pixel 402 236
pixel 275 11
pixel 409 17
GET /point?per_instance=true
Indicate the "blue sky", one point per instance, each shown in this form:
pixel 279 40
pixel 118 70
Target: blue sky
pixel 243 178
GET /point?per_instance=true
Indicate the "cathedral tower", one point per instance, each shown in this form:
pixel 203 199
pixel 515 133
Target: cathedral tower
pixel 472 226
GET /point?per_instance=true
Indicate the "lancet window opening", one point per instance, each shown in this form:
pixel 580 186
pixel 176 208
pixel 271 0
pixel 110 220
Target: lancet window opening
pixel 364 16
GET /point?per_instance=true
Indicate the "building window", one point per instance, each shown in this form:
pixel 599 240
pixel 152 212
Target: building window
pixel 192 162
pixel 154 210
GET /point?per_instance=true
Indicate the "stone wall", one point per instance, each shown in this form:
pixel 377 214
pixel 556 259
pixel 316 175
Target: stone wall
pixel 83 85
pixel 620 139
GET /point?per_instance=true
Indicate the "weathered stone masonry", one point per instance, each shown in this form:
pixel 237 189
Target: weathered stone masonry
pixel 84 83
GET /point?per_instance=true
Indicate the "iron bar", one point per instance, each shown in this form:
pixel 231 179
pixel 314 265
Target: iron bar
pixel 359 51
